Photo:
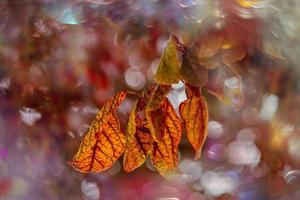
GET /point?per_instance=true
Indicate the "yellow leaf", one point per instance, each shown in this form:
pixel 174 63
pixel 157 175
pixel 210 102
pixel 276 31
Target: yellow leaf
pixel 104 142
pixel 194 113
pixel 164 153
pixel 168 71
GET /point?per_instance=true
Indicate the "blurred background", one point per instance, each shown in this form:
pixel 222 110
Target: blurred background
pixel 61 60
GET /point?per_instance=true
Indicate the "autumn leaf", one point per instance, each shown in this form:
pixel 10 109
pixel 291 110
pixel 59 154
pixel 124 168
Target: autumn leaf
pixel 104 142
pixel 140 143
pixel 232 51
pixel 138 137
pixel 164 153
pixel 153 111
pixel 194 113
pixel 168 71
pixel 192 71
pixel 138 146
pixel 209 44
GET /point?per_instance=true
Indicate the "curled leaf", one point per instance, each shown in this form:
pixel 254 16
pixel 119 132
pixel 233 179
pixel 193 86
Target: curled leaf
pixel 168 71
pixel 138 137
pixel 164 153
pixel 233 54
pixel 153 111
pixel 138 144
pixel 192 71
pixel 194 113
pixel 104 142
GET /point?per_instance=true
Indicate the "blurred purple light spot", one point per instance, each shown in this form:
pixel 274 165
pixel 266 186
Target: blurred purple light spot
pixel 3 153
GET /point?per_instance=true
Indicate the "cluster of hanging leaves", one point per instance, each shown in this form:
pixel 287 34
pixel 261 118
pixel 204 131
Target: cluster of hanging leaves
pixel 154 129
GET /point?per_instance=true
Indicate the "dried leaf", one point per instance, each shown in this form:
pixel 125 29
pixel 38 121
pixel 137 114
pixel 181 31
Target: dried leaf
pixel 104 142
pixel 210 44
pixel 211 62
pixel 168 71
pixel 138 137
pixel 153 111
pixel 192 71
pixel 194 113
pixel 233 54
pixel 164 154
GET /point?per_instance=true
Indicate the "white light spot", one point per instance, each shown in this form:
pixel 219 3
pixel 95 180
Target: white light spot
pixel 215 129
pixel 99 2
pixel 185 3
pixel 243 153
pixel 161 44
pixel 176 96
pixel 71 134
pixel 269 107
pixel 218 183
pixel 4 84
pixel 29 116
pixel 135 78
pixel 90 110
pixel 191 168
pixel 232 83
pixel 216 152
pixel 90 190
pixel 292 176
pixel 180 85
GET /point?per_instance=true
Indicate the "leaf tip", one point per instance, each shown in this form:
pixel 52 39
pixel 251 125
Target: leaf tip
pixel 198 154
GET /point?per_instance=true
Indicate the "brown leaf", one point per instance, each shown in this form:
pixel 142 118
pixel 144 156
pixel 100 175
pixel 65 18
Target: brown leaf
pixel 192 71
pixel 210 44
pixel 168 71
pixel 233 54
pixel 194 113
pixel 164 154
pixel 104 142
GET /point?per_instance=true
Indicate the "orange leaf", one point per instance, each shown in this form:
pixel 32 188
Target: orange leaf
pixel 153 111
pixel 138 137
pixel 164 154
pixel 194 113
pixel 104 142
pixel 138 146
